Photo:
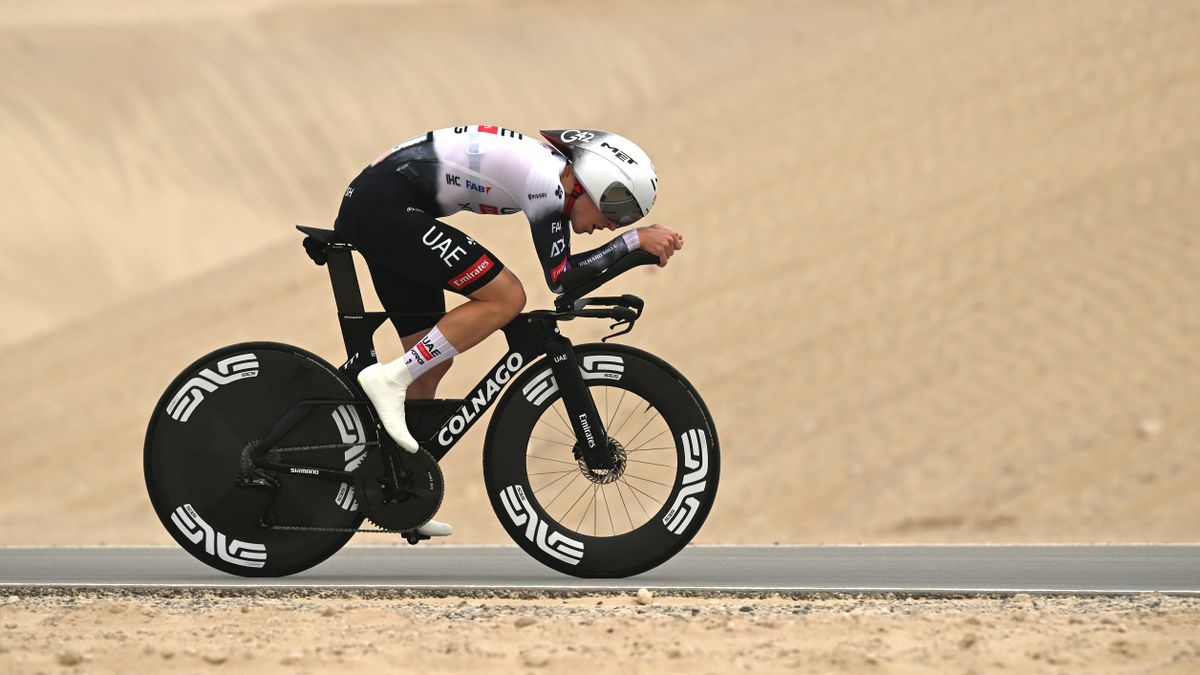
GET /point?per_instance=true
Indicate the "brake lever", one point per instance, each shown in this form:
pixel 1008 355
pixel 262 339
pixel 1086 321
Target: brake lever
pixel 626 317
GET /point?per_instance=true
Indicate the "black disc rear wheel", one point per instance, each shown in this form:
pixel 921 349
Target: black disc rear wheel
pixel 197 460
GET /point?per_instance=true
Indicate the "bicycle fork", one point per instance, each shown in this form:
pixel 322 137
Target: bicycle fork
pixel 590 435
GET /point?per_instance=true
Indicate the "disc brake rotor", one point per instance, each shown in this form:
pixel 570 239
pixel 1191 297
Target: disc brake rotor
pixel 398 490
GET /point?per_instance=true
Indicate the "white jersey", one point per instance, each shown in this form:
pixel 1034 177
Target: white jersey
pixel 497 171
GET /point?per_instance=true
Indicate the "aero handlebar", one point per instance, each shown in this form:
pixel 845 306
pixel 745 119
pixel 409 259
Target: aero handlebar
pixel 583 281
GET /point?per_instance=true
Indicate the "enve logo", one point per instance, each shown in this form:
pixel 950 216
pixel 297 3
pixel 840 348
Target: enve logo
pixel 191 395
pixel 695 458
pixel 554 544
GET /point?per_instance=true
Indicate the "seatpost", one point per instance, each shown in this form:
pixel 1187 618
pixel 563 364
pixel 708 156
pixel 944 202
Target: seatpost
pixel 358 326
pixel 585 421
pixel 344 279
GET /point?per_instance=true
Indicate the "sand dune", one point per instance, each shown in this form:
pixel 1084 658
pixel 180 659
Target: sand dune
pixel 941 273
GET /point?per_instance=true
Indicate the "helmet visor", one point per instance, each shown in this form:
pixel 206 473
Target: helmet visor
pixel 618 204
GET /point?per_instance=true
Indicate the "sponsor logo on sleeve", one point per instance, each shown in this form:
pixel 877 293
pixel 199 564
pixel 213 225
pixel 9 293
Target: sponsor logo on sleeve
pixel 489 210
pixel 536 195
pixel 558 270
pixel 477 270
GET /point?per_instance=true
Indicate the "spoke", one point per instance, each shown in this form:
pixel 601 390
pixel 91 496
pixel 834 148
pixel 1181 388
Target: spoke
pixel 585 509
pixel 651 440
pixel 581 494
pixel 638 461
pixel 612 526
pixel 549 473
pixel 617 410
pixel 627 418
pixel 542 420
pixel 639 432
pixel 564 420
pixel 605 418
pixel 564 489
pixel 627 514
pixel 629 475
pixel 635 495
pixel 547 440
pixel 595 513
pixel 539 489
pixel 547 459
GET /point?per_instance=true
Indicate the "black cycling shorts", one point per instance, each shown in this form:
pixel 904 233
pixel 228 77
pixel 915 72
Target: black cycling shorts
pixel 413 257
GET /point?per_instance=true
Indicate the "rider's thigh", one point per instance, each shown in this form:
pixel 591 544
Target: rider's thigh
pixel 505 292
pixel 415 307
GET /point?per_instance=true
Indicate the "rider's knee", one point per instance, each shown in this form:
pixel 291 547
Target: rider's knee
pixel 511 300
pixel 517 299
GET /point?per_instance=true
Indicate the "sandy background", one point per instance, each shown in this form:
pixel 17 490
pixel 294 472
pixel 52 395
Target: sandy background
pixel 942 280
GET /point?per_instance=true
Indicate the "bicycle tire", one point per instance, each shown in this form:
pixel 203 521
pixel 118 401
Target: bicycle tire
pixel 664 533
pixel 194 453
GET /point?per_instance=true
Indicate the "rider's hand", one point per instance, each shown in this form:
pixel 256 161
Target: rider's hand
pixel 661 241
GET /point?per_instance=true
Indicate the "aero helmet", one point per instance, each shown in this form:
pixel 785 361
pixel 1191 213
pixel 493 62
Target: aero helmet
pixel 616 173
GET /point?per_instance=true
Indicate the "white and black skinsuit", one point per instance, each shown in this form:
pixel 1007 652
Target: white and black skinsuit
pixel 389 212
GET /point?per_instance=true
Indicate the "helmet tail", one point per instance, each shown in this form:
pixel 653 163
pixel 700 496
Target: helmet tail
pixel 554 137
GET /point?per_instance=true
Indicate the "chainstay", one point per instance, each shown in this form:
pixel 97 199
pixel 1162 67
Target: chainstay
pixel 327 446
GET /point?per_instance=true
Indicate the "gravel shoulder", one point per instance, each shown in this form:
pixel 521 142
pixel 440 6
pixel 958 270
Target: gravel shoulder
pixel 112 631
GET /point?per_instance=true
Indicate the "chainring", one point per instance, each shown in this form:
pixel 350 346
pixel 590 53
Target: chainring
pixel 398 490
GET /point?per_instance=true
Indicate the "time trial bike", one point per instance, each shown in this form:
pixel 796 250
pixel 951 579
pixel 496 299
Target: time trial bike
pixel 600 460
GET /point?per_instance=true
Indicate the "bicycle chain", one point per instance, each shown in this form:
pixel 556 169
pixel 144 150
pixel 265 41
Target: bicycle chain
pixel 313 528
pixel 327 446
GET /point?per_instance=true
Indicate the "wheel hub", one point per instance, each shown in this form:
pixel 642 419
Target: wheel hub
pixel 617 457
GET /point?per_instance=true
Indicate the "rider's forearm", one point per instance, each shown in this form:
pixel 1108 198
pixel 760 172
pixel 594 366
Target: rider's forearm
pixel 607 254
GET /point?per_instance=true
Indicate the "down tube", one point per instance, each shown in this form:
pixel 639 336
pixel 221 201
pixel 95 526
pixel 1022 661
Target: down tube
pixel 481 398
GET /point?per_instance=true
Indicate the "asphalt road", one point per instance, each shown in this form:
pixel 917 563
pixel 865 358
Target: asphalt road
pixel 919 569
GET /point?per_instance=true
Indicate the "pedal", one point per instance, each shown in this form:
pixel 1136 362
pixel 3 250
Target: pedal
pixel 413 537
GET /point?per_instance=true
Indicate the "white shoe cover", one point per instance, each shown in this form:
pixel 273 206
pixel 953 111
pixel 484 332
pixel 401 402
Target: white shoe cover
pixel 435 529
pixel 386 386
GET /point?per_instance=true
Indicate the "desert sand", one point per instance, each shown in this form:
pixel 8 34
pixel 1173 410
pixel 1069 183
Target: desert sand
pixel 940 281
pixel 115 633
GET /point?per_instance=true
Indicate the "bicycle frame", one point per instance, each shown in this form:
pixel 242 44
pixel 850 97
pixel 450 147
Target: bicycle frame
pixel 442 422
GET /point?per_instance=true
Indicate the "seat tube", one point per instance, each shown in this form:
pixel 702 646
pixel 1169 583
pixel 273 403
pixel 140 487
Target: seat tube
pixel 344 280
pixel 358 329
pixel 585 421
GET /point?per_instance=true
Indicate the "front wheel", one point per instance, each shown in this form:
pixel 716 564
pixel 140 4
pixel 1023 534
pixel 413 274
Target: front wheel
pixel 596 523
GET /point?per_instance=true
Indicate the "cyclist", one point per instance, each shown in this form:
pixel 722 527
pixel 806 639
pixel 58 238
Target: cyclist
pixel 594 179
